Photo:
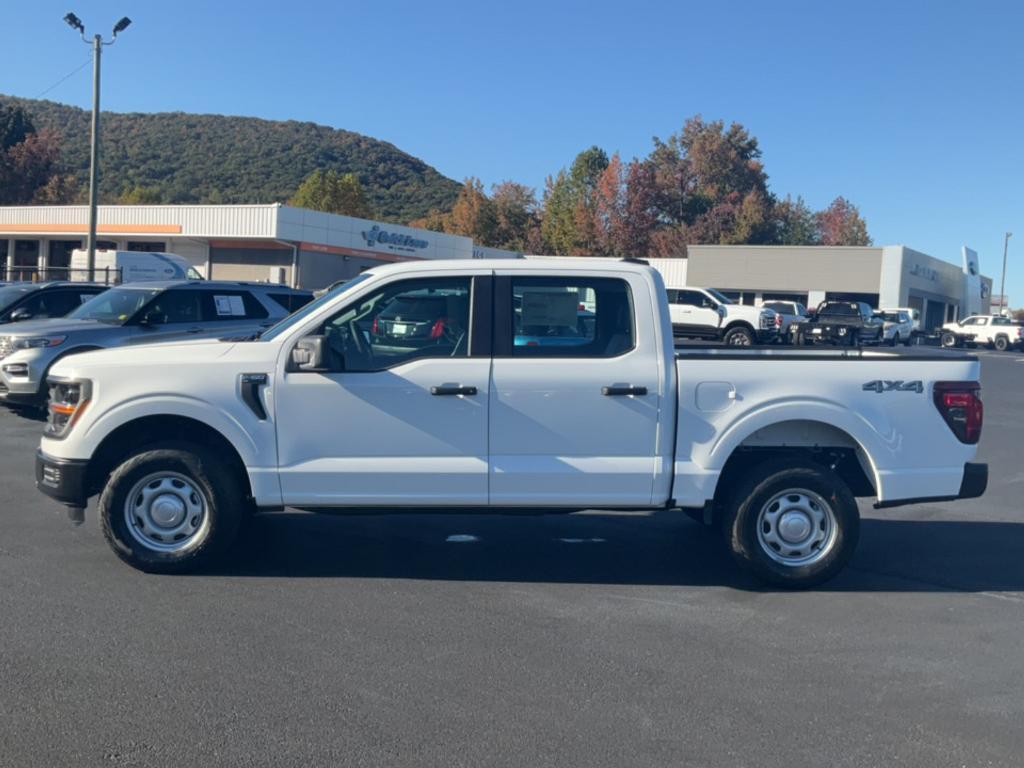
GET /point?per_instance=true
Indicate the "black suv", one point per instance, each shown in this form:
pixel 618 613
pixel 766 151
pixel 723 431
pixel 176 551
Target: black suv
pixel 846 323
pixel 40 301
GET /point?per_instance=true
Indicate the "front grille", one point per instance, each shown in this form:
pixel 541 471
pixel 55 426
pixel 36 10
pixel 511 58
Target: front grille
pixel 5 346
pixel 767 322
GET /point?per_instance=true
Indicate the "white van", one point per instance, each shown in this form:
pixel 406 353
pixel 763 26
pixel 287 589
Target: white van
pixel 132 266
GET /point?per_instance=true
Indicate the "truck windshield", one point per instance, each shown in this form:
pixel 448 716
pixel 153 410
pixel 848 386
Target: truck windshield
pixel 297 317
pixel 719 296
pixel 115 306
pixel 839 310
pixel 11 293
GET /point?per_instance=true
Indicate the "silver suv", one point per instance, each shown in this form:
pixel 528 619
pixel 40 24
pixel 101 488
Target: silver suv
pixel 149 312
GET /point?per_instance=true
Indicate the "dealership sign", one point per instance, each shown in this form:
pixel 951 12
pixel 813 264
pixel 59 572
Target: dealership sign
pixel 375 236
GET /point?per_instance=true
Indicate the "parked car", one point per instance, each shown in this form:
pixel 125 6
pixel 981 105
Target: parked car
pixel 420 318
pixel 789 314
pixel 897 326
pixel 915 316
pixel 704 313
pixel 183 441
pixel 132 266
pixel 557 334
pixel 843 323
pixel 40 301
pixel 993 331
pixel 137 313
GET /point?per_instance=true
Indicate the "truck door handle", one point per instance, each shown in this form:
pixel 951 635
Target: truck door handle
pixel 616 391
pixel 452 389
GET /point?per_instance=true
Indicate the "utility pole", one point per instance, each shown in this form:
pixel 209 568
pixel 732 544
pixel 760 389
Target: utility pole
pixel 94 142
pixel 1003 308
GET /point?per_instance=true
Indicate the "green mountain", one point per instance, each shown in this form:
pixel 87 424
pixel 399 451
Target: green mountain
pixel 218 159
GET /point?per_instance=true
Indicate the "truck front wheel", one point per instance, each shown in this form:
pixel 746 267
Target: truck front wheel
pixel 794 525
pixel 738 337
pixel 171 509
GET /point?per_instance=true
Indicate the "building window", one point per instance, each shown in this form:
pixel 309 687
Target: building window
pixel 138 245
pixel 106 245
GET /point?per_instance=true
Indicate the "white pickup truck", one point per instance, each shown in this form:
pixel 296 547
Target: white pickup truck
pixel 484 386
pixel 704 313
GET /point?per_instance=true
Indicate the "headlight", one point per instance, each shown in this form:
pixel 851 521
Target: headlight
pixel 68 399
pixel 842 331
pixel 33 342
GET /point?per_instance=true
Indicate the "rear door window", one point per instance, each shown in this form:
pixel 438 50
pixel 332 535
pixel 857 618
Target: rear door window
pixel 231 306
pixel 290 301
pixel 567 317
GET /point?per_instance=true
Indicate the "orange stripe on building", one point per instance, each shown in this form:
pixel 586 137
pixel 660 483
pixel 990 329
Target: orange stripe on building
pixel 317 248
pixel 107 229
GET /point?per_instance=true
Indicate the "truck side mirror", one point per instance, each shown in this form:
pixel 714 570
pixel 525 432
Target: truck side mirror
pixel 309 354
pixel 21 314
pixel 720 309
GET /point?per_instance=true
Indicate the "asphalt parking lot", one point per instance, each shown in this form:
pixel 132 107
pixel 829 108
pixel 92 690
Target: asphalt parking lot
pixel 457 640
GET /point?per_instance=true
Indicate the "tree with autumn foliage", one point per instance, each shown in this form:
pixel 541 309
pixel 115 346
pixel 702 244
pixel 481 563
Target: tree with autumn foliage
pixel 841 224
pixel 29 163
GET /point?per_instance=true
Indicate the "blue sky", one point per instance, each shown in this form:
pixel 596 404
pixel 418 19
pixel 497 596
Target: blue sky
pixel 913 110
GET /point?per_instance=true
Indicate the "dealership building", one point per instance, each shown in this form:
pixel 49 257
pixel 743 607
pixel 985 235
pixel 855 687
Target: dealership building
pixel 275 243
pixel 884 276
pixel 309 249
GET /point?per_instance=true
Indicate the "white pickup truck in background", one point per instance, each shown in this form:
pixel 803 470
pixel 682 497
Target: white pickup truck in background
pixel 992 331
pixel 704 313
pixel 485 386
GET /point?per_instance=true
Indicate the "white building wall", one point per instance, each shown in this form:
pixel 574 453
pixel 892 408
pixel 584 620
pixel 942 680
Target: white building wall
pixel 673 271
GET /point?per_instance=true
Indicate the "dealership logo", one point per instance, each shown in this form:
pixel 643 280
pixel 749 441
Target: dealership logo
pixel 377 236
pixel 984 291
pixel 926 272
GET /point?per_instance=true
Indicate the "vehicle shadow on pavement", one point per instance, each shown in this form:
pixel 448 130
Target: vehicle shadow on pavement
pixel 662 548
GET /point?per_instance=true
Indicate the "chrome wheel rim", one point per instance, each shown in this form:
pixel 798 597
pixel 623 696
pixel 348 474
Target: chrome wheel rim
pixel 166 512
pixel 797 527
pixel 739 340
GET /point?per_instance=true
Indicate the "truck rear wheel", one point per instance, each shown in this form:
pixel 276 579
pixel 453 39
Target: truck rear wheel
pixel 1002 343
pixel 948 340
pixel 171 509
pixel 794 525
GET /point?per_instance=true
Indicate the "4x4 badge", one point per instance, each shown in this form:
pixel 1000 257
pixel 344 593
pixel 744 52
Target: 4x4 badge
pixel 893 386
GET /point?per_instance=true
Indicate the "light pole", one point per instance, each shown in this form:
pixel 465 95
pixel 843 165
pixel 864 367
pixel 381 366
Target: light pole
pixel 97 44
pixel 1002 284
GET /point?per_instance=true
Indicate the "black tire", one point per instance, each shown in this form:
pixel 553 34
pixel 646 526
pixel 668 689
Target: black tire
pixel 895 340
pixel 1001 344
pixel 738 337
pixel 756 492
pixel 948 340
pixel 853 339
pixel 224 501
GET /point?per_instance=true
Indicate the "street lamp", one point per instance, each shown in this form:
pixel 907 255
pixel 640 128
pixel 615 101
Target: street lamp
pixel 97 44
pixel 1002 285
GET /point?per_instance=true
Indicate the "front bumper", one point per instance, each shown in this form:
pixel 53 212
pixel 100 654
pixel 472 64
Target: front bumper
pixel 766 335
pixel 63 479
pixel 21 377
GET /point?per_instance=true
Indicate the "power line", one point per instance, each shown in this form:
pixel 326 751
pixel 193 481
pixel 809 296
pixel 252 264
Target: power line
pixel 75 71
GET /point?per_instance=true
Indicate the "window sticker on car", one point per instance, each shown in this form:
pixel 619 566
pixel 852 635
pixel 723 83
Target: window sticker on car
pixel 550 308
pixel 231 306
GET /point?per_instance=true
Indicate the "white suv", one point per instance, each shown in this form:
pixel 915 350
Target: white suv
pixel 704 313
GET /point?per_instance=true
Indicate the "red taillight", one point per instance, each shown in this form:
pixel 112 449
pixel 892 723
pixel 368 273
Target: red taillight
pixel 959 402
pixel 438 330
pixel 375 328
pixel 778 321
